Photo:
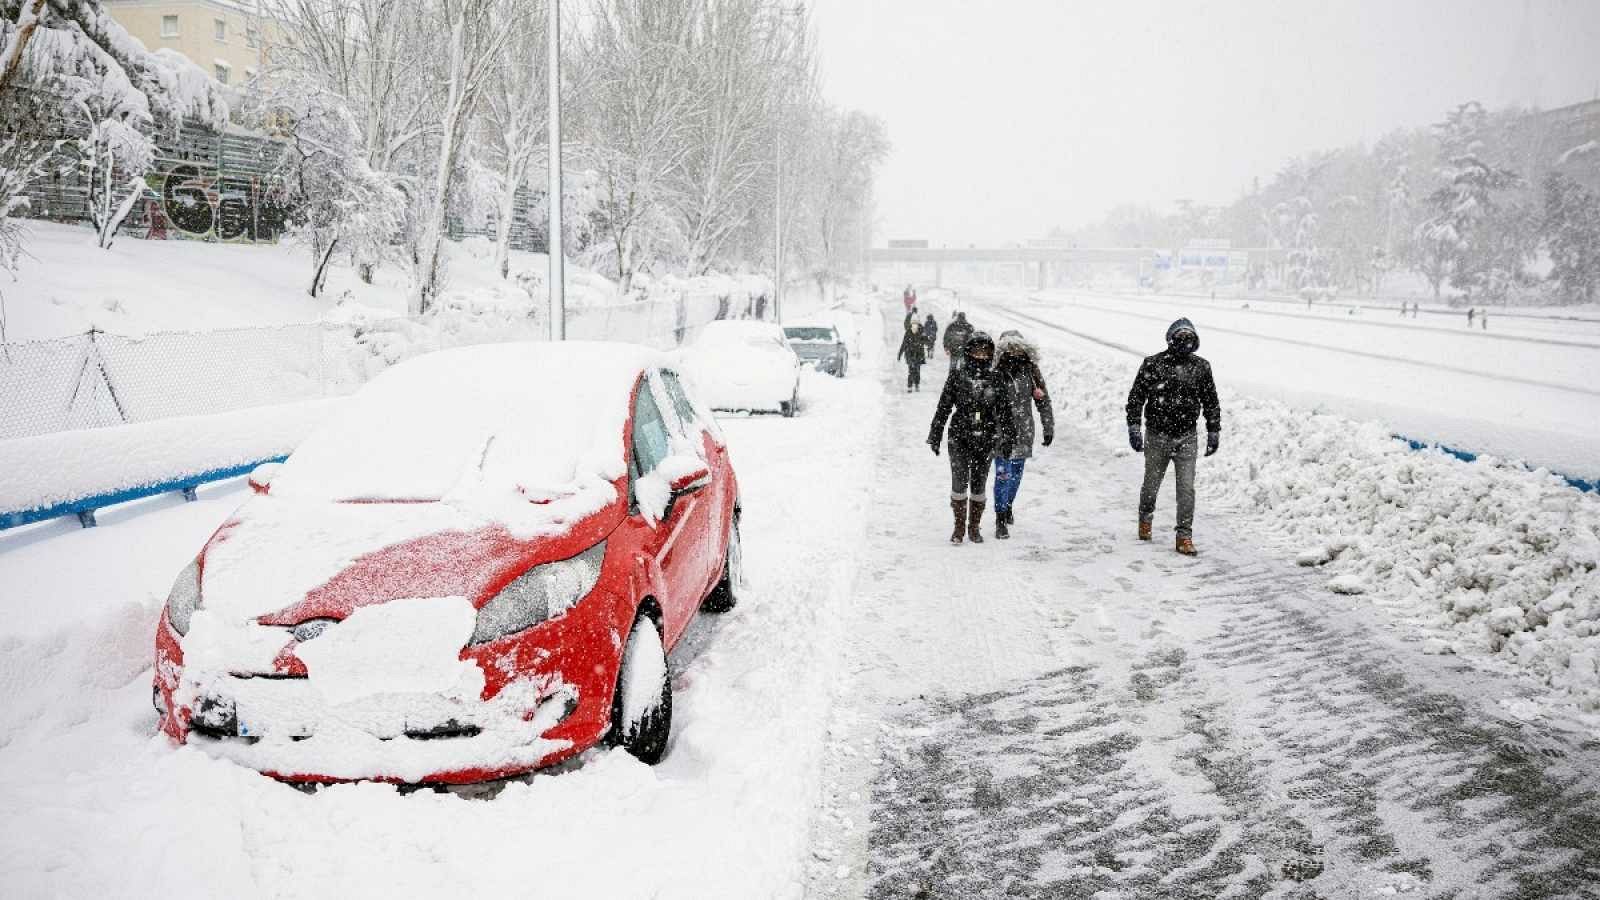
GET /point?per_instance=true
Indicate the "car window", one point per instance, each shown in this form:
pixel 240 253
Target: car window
pixel 650 438
pixel 680 401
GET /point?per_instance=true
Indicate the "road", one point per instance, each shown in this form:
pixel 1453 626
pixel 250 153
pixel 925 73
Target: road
pixel 1075 714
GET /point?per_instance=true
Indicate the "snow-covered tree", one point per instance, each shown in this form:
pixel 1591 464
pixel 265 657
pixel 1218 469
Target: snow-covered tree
pixel 1571 231
pixel 846 148
pixel 512 132
pixel 471 34
pixel 640 90
pixel 1482 243
pixel 73 51
pixel 337 202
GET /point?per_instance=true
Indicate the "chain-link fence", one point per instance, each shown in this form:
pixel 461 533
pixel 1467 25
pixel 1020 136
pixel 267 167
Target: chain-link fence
pixel 97 379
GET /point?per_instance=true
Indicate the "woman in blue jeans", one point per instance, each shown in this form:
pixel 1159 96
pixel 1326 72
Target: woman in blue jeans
pixel 1017 365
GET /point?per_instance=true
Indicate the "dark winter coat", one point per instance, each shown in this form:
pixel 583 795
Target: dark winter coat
pixel 956 334
pixel 1018 367
pixel 930 334
pixel 912 348
pixel 1174 387
pixel 977 406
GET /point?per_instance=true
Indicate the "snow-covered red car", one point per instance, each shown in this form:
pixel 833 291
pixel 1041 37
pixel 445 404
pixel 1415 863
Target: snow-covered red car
pixel 744 366
pixel 476 571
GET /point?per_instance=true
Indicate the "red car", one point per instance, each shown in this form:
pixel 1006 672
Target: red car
pixel 476 571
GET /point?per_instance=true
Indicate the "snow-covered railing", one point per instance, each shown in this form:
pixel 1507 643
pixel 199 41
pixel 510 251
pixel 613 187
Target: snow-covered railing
pixel 1587 485
pixel 79 472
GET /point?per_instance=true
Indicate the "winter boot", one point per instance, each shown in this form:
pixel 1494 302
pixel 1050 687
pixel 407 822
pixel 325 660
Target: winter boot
pixel 959 507
pixel 1186 547
pixel 1144 531
pixel 1000 530
pixel 973 520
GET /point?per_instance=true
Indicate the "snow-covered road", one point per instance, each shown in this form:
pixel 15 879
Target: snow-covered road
pixel 1515 395
pixel 1073 713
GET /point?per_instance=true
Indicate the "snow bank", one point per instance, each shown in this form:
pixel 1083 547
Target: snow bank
pixel 55 468
pixel 1452 546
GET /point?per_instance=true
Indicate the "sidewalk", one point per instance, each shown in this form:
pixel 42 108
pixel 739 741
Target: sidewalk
pixel 1075 713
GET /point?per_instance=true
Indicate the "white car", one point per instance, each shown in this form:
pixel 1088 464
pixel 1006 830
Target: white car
pixel 744 366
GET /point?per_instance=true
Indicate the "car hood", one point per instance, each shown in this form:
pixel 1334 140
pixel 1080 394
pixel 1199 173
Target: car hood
pixel 281 562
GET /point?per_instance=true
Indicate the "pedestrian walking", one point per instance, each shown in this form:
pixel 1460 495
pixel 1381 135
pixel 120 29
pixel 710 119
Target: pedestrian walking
pixel 914 350
pixel 1017 365
pixel 1470 313
pixel 1170 392
pixel 1483 319
pixel 930 335
pixel 909 298
pixel 956 335
pixel 975 405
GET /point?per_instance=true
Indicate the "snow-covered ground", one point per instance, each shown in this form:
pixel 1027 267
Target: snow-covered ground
pixel 95 803
pixel 1517 395
pixel 1380 677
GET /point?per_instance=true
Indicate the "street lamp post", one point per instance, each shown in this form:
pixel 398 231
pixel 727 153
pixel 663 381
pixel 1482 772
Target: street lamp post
pixel 558 299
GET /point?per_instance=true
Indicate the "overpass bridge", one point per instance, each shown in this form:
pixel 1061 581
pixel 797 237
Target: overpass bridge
pixel 1043 266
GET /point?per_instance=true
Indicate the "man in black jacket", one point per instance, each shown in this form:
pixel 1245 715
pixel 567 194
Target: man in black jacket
pixel 1170 392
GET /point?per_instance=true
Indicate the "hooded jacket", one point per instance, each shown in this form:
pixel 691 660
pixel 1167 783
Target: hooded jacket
pixel 975 403
pixel 1017 364
pixel 1174 387
pixel 930 333
pixel 956 335
pixel 913 349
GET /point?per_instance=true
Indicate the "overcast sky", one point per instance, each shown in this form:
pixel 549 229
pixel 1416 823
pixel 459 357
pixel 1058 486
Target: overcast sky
pixel 1010 116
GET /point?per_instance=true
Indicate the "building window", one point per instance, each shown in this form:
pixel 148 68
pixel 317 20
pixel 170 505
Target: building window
pixel 252 38
pixel 221 70
pixel 221 29
pixel 169 26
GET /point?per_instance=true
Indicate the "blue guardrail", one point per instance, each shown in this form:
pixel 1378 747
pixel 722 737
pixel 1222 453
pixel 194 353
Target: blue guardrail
pixel 84 508
pixel 1586 485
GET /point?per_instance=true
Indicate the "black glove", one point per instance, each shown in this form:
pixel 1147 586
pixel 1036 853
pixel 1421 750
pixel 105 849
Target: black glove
pixel 933 444
pixel 1135 439
pixel 1213 439
pixel 1048 437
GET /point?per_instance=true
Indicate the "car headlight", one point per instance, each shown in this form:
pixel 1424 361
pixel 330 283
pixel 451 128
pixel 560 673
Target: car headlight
pixel 185 598
pixel 541 593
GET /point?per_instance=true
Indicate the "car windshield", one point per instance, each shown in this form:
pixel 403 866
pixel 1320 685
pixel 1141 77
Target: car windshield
pixel 810 333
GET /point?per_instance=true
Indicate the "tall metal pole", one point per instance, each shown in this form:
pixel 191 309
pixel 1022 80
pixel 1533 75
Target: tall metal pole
pixel 558 298
pixel 777 230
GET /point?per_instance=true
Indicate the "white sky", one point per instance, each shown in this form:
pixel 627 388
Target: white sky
pixel 1010 116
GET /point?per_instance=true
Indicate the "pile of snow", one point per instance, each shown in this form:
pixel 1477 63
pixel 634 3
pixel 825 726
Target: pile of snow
pixel 1489 557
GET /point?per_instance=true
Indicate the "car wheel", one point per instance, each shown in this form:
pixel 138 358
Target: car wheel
pixel 641 707
pixel 792 405
pixel 725 595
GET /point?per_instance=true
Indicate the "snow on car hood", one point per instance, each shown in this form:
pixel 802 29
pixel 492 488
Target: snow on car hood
pixel 511 442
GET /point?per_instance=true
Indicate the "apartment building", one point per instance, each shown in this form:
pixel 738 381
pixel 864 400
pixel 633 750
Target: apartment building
pixel 227 39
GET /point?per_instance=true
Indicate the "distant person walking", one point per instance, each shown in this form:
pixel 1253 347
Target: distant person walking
pixel 914 350
pixel 956 335
pixel 930 335
pixel 1017 365
pixel 1470 313
pixel 909 298
pixel 1170 392
pixel 975 405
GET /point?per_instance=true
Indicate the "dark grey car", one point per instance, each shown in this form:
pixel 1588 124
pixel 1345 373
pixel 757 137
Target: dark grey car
pixel 819 346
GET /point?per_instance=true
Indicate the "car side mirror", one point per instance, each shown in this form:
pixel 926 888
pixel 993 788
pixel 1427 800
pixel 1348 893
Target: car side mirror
pixel 691 482
pixel 261 476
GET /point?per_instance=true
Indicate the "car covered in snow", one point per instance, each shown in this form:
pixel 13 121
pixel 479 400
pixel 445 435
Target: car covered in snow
pixel 477 570
pixel 744 366
pixel 820 346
